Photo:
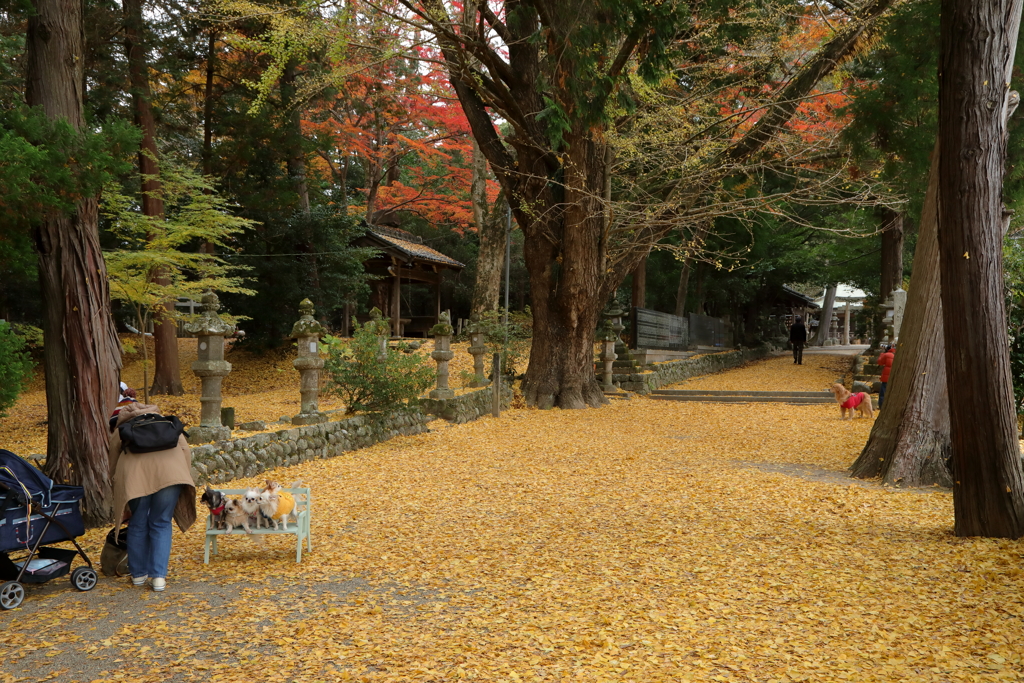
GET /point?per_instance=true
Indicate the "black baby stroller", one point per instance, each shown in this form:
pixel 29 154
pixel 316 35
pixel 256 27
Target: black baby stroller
pixel 35 513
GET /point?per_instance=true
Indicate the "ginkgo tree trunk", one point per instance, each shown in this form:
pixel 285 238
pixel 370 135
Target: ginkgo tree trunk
pixel 555 74
pixel 909 442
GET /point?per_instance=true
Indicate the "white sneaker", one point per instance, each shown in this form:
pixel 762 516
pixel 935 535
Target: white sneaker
pixel 139 580
pixel 158 583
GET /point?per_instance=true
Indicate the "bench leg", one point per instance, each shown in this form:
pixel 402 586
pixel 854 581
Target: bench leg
pixel 206 554
pixel 215 545
pixel 309 537
pixel 298 547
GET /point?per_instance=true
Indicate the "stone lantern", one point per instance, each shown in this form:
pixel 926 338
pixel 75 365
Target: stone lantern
pixel 306 333
pixel 477 349
pixel 442 333
pixel 606 334
pixel 613 314
pixel 211 368
pixel 382 329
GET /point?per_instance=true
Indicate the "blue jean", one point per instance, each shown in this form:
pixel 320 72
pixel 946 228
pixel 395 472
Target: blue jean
pixel 149 532
pixel 881 394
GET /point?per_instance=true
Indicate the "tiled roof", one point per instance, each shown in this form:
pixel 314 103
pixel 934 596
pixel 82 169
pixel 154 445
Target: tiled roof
pixel 396 238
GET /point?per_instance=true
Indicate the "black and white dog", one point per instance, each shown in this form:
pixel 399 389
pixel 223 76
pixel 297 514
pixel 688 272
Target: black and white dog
pixel 215 500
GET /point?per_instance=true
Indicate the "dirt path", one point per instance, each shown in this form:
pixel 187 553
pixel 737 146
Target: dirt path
pixel 644 541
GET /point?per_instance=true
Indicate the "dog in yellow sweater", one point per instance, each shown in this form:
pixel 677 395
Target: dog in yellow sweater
pixel 277 505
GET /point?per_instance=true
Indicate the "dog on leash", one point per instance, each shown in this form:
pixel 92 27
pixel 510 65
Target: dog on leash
pixel 850 403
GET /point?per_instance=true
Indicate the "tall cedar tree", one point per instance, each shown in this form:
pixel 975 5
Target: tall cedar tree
pixel 976 58
pixel 565 66
pixel 81 353
pixel 167 375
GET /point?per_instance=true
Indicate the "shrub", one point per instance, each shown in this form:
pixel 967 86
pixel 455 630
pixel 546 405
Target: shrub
pixel 15 367
pixel 367 383
pixel 512 341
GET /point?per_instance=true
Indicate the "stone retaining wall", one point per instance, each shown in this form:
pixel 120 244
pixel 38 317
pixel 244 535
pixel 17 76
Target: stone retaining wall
pixel 467 407
pixel 676 371
pixel 223 461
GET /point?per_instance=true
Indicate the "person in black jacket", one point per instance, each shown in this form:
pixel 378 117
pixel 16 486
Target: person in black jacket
pixel 798 337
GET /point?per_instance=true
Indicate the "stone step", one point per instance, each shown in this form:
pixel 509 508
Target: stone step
pixel 718 392
pixel 711 396
pixel 804 400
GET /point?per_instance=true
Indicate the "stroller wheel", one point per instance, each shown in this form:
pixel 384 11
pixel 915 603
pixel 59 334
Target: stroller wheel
pixel 83 578
pixel 11 595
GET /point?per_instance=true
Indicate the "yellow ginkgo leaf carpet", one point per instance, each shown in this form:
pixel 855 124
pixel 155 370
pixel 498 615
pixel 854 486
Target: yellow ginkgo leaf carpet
pixel 642 541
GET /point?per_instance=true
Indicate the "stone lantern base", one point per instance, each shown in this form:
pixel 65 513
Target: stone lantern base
pixel 208 434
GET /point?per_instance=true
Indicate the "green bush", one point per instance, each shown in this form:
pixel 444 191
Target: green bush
pixel 15 367
pixel 512 341
pixel 365 382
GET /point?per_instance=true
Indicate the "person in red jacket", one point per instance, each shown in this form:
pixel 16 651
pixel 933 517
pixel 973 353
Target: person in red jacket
pixel 885 362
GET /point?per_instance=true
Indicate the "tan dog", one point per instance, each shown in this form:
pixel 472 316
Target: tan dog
pixel 849 403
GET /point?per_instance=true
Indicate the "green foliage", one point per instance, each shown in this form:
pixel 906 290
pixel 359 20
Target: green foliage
pixel 1013 280
pixel 15 367
pixel 48 165
pixel 298 256
pixel 30 334
pixel 365 382
pixel 194 214
pixel 511 340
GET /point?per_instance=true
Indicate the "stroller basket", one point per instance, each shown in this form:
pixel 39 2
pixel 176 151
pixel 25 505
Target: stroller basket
pixel 35 512
pixel 20 530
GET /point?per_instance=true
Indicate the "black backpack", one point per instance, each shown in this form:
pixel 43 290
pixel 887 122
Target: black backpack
pixel 151 432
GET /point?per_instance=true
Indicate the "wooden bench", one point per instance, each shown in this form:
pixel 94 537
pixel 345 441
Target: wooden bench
pixel 303 510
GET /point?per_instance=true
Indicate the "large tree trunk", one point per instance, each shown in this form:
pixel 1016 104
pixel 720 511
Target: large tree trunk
pixel 555 188
pixel 167 375
pixel 491 231
pixel 638 293
pixel 977 44
pixel 909 442
pixel 211 62
pixel 81 355
pixel 565 289
pixel 684 284
pixel 825 321
pixel 892 250
pixel 296 155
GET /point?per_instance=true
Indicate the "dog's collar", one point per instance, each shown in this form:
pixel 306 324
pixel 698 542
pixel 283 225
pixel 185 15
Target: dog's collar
pixel 217 511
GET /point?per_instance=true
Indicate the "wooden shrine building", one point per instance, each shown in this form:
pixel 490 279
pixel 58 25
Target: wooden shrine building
pixel 404 260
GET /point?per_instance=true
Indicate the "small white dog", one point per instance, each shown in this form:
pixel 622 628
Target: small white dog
pixel 235 515
pixel 251 504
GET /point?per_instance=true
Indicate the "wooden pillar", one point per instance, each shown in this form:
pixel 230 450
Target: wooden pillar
pixel 396 303
pixel 437 300
pixel 639 298
pixel 846 326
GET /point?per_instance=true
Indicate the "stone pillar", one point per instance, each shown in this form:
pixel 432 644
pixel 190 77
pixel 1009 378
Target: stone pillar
pixel 477 349
pixel 606 335
pixel 211 368
pixel 888 320
pixel 306 333
pixel 833 328
pixel 899 303
pixel 442 333
pixel 380 327
pixel 846 325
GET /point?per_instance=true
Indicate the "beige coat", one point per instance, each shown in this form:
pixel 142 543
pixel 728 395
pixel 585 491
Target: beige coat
pixel 141 474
